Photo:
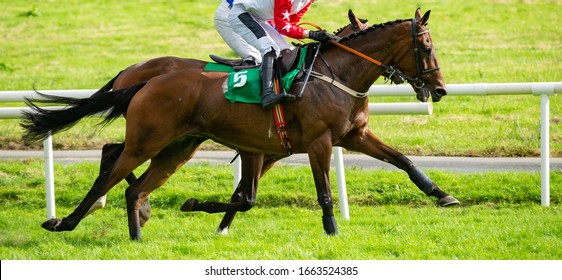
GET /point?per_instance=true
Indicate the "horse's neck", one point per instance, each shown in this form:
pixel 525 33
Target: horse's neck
pixel 382 44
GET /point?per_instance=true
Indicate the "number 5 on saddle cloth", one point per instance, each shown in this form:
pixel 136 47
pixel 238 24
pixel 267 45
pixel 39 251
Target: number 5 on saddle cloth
pixel 245 85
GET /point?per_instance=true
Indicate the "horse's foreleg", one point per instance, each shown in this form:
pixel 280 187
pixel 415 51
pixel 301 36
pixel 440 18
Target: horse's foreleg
pixel 229 215
pixel 365 141
pixel 319 154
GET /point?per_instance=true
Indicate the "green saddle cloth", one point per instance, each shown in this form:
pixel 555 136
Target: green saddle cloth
pixel 245 85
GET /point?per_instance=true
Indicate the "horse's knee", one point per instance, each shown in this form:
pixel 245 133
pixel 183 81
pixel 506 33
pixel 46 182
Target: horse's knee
pixel 247 205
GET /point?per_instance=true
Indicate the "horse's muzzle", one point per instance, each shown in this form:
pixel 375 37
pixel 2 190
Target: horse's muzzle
pixel 437 94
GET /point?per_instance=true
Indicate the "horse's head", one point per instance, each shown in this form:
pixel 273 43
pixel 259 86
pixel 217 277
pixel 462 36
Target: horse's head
pixel 419 63
pixel 404 46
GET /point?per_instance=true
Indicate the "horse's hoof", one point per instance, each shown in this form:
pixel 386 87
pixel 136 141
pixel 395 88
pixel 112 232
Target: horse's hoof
pixel 330 226
pixel 143 220
pixel 448 201
pixel 51 225
pixel 144 215
pixel 223 231
pixel 189 204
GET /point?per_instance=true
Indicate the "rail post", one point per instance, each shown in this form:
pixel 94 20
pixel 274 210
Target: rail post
pixel 49 176
pixel 342 188
pixel 237 168
pixel 545 151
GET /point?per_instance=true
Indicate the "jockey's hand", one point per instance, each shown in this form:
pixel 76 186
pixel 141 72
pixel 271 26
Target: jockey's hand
pixel 322 36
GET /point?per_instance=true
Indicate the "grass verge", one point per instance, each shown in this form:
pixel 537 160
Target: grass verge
pixel 500 218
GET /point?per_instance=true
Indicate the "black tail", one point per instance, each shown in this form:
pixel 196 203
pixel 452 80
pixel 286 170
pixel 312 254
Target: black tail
pixel 39 122
pixel 109 84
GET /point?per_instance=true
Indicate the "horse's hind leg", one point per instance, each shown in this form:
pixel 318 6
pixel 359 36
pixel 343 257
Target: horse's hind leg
pixel 110 153
pixel 161 167
pixel 226 221
pixel 363 140
pixel 123 167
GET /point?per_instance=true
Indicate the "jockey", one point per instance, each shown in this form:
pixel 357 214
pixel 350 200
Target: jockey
pixel 249 19
pixel 250 55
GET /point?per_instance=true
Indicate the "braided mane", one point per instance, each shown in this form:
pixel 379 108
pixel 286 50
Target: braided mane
pixel 339 30
pixel 358 33
pixel 372 28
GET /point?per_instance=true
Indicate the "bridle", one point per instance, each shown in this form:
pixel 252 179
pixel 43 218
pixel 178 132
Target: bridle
pixel 419 71
pixel 391 70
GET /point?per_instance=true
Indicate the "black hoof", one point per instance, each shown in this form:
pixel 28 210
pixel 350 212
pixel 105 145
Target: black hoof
pixel 448 201
pixel 330 225
pixel 51 225
pixel 189 204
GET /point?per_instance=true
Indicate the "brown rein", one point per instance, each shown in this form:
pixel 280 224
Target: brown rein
pixel 360 54
pixel 353 51
pixel 364 56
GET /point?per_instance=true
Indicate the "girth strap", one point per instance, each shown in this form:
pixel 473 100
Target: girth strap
pixel 281 125
pixel 279 118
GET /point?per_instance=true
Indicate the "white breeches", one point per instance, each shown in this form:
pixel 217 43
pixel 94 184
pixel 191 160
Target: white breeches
pixel 256 32
pixel 231 38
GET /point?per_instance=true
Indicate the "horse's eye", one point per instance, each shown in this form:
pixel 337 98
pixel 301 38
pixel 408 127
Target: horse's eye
pixel 427 49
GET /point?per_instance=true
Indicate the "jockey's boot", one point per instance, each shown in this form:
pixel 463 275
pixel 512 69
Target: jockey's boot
pixel 247 63
pixel 268 96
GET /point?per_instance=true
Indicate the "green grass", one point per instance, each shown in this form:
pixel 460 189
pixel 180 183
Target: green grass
pixel 382 233
pixel 82 44
pixel 500 218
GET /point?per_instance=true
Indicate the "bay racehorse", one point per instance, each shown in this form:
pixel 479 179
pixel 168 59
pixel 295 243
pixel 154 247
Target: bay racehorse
pixel 147 70
pixel 169 116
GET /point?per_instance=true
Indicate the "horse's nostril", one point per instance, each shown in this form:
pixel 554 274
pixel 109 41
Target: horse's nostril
pixel 441 91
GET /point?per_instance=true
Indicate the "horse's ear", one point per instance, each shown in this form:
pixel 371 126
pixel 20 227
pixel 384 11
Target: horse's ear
pixel 355 21
pixel 425 18
pixel 351 16
pixel 418 14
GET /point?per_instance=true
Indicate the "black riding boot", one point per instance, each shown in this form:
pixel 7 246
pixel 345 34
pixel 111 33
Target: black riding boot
pixel 267 72
pixel 268 97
